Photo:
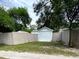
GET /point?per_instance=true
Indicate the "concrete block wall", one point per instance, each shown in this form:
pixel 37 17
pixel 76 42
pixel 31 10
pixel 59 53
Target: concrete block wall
pixel 14 38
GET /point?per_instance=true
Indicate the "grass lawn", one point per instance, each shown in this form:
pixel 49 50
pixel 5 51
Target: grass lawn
pixel 2 58
pixel 40 47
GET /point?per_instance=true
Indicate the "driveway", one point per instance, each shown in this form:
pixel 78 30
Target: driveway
pixel 25 55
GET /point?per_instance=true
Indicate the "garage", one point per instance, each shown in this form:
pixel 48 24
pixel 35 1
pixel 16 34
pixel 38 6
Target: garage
pixel 45 34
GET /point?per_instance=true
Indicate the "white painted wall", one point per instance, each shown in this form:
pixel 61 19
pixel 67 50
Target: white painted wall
pixel 45 36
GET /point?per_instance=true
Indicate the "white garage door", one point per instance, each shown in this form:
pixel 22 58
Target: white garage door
pixel 45 36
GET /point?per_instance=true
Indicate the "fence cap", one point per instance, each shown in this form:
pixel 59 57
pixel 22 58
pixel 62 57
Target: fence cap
pixel 20 31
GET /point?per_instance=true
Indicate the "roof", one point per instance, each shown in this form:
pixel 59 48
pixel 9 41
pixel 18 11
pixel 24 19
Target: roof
pixel 45 28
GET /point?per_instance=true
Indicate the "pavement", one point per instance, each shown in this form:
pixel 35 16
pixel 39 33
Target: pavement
pixel 26 55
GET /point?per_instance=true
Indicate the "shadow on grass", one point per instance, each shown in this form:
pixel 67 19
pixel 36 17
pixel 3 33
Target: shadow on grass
pixel 2 45
pixel 56 44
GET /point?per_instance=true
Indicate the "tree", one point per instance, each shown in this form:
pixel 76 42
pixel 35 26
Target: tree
pixel 58 14
pixel 33 27
pixel 20 16
pixel 6 23
pixel 72 14
pixel 48 16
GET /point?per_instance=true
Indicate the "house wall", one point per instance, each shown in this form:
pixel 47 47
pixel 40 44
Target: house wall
pixel 14 38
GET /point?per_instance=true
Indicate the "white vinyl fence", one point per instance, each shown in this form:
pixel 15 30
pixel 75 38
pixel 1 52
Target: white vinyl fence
pixel 62 35
pixel 65 36
pixel 14 38
pixel 56 36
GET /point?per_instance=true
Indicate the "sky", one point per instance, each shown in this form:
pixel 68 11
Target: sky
pixel 21 3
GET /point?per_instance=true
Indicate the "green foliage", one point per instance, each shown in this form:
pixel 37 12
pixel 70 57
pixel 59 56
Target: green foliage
pixel 49 14
pixel 6 22
pixel 27 30
pixel 14 19
pixel 18 27
pixel 20 14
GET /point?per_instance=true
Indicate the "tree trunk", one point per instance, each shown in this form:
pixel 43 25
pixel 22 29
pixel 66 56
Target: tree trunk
pixel 70 39
pixel 70 36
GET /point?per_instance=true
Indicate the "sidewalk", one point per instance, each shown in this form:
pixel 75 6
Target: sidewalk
pixel 25 55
